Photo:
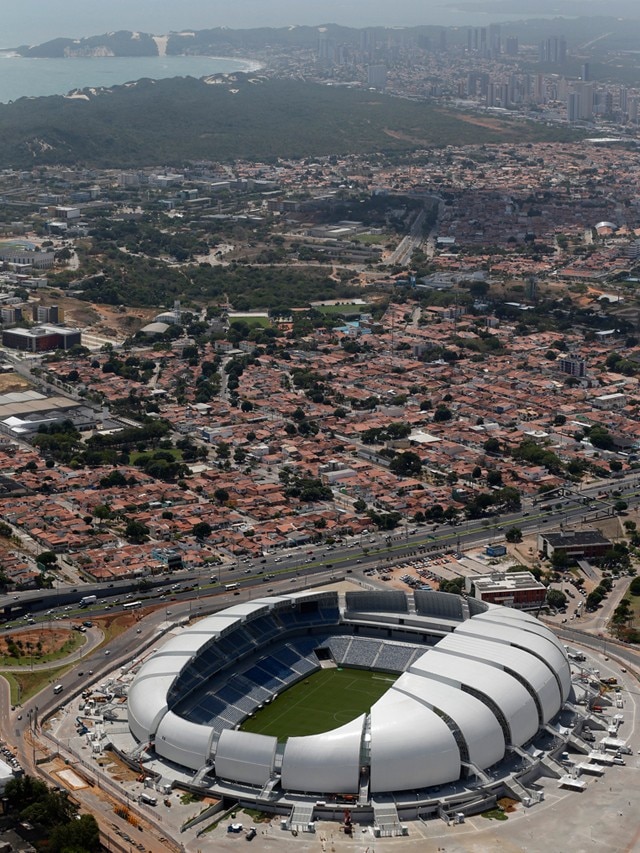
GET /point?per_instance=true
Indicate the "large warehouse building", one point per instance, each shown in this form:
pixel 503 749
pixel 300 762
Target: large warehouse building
pixel 476 684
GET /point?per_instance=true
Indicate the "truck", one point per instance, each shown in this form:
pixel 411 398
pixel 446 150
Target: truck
pixel 615 744
pixel 87 600
pixel 148 799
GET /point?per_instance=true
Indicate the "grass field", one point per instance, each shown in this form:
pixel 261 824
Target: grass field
pixel 324 701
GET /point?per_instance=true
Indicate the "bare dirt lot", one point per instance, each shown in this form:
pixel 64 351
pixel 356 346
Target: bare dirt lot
pixel 108 320
pixel 50 641
pixel 10 382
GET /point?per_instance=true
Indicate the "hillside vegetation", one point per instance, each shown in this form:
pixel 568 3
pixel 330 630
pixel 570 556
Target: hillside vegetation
pixel 243 116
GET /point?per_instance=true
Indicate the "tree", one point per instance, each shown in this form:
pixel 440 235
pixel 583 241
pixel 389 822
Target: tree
pixel 454 586
pixel 559 560
pixel 600 437
pixel 298 414
pixel 406 464
pixel 223 450
pixel 494 478
pixel 114 478
pixel 102 512
pixel 201 530
pixel 556 598
pixel 136 532
pixel 513 534
pixel 593 599
pixel 492 445
pixel 221 495
pixel 76 836
pixel 509 498
pixel 48 558
pixel 634 586
pixel 442 414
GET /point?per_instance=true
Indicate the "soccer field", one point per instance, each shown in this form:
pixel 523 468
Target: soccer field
pixel 327 699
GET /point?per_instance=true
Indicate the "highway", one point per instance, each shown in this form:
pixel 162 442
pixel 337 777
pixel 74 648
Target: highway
pixel 540 513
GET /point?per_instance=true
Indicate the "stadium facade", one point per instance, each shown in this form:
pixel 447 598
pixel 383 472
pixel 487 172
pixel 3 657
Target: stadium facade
pixel 479 689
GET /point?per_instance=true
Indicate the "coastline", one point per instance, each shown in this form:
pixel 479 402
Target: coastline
pixel 35 77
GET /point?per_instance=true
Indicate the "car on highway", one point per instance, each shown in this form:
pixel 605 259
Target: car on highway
pixel 107 652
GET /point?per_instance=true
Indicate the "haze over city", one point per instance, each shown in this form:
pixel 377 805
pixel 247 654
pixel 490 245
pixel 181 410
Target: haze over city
pixel 319 426
pixel 32 21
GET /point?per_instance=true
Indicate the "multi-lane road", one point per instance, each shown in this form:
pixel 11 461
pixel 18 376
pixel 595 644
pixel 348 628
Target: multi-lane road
pixel 539 514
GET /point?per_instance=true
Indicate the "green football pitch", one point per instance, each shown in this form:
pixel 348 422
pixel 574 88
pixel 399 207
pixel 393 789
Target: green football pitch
pixel 323 701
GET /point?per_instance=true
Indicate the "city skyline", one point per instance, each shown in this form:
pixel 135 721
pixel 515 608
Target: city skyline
pixel 31 22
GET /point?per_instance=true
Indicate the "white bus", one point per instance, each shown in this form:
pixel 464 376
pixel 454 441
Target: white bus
pixel 131 605
pixel 231 586
pixel 58 688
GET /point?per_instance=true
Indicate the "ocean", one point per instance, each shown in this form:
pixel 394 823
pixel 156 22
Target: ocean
pixel 20 77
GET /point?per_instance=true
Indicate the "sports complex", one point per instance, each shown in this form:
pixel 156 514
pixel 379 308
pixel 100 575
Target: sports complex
pixel 396 705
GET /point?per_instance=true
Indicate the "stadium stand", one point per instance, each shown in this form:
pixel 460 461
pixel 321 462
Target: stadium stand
pixel 389 601
pixel 442 604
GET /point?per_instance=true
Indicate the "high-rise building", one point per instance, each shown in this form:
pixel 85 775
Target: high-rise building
pixel 377 76
pixel 587 92
pixel 495 45
pixel 573 365
pixel 47 314
pixel 573 107
pixel 553 50
pixel 326 48
pixel 622 98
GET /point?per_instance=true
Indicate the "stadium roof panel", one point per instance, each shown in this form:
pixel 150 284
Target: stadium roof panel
pixel 478 725
pixel 506 693
pixel 326 762
pixel 411 746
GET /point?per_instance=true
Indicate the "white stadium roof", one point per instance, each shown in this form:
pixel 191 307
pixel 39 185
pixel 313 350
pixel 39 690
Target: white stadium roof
pixel 487 685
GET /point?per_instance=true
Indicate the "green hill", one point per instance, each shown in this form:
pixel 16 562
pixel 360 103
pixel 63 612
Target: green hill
pixel 244 116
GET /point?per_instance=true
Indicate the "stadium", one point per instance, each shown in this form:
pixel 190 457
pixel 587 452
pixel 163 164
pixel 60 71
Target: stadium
pixel 466 701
